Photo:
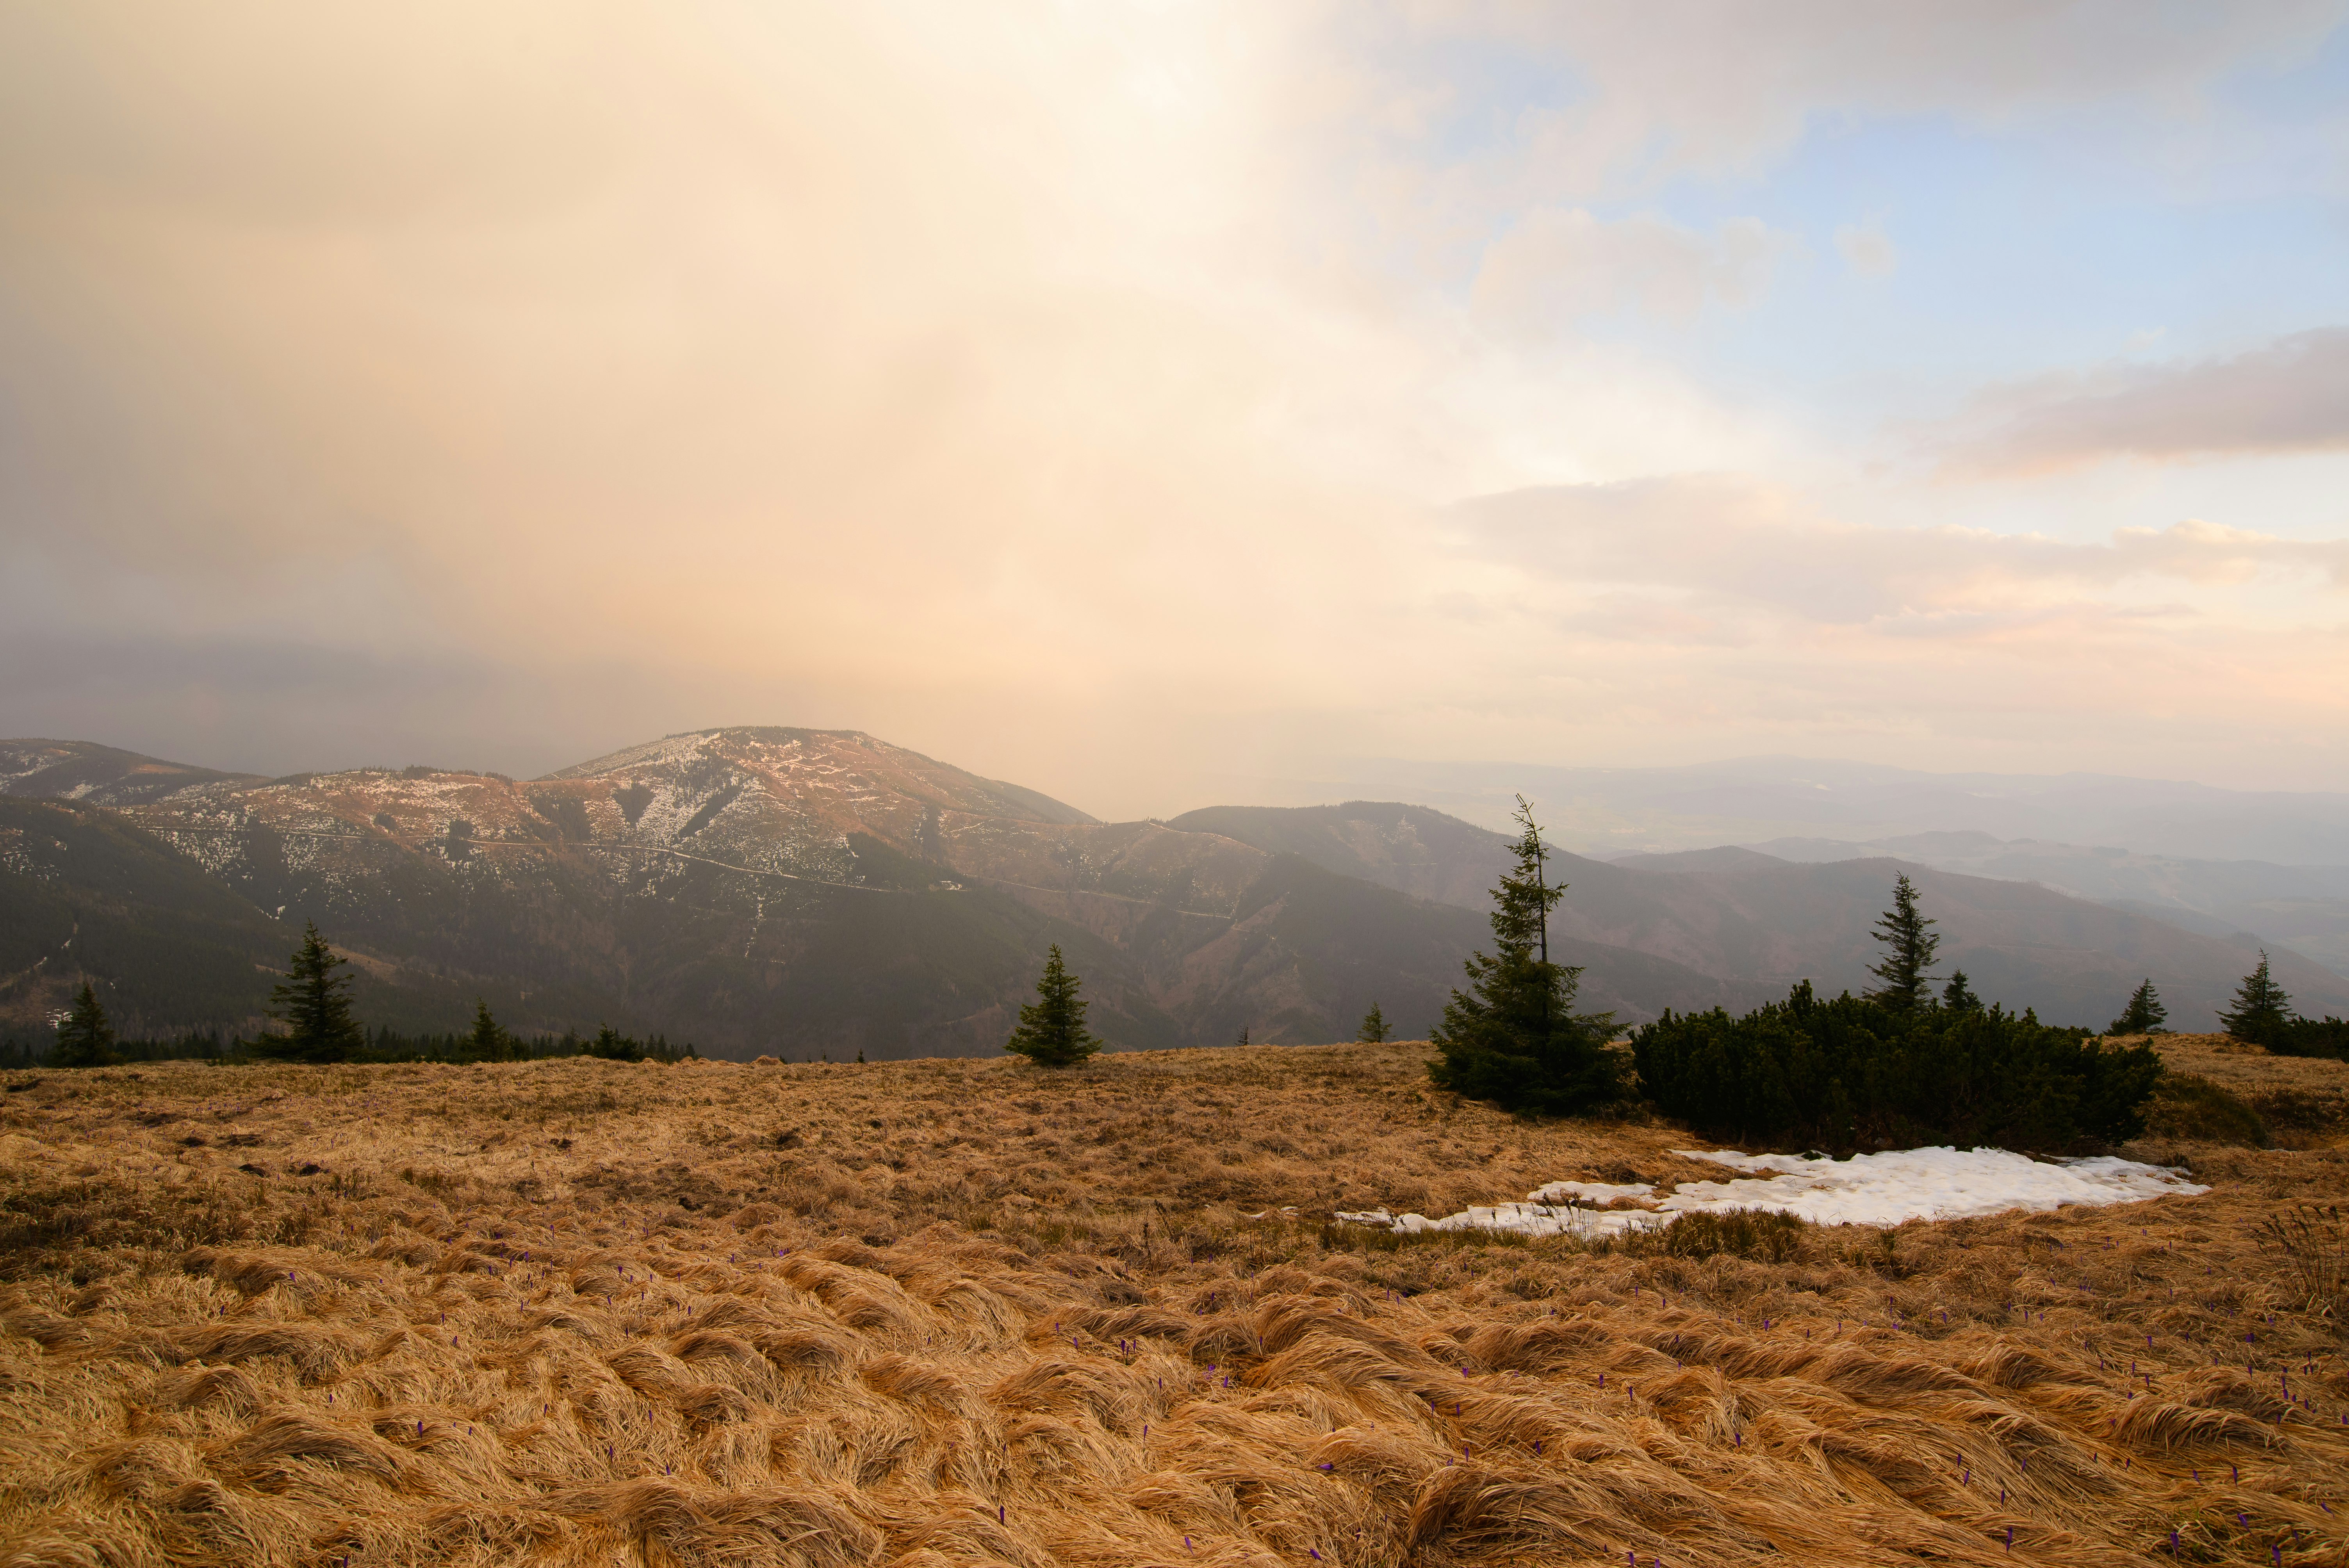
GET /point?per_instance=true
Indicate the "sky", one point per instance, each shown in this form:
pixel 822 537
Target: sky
pixel 1135 399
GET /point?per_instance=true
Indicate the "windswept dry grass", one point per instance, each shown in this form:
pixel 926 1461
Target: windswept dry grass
pixel 950 1311
pixel 2303 1101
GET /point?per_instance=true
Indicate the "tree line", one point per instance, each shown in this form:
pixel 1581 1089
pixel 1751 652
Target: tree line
pixel 318 1025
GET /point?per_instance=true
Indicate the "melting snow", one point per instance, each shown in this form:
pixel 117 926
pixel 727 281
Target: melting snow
pixel 1940 1184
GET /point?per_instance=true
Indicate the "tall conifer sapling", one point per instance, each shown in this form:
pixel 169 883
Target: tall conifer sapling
pixel 2144 1015
pixel 1909 943
pixel 2261 1008
pixel 1373 1031
pixel 611 1045
pixel 488 1042
pixel 85 1039
pixel 1512 1036
pixel 1051 1031
pixel 313 1002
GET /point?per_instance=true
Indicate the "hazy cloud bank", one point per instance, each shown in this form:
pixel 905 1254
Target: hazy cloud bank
pixel 1074 392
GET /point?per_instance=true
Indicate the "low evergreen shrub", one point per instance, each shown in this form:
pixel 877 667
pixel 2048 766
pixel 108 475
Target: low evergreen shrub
pixel 1852 1074
pixel 2325 1036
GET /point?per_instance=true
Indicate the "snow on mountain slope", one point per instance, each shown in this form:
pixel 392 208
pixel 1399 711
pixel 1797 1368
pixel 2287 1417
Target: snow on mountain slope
pixel 796 889
pixel 98 775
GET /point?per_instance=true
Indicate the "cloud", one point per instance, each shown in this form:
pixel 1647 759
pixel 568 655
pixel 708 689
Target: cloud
pixel 1739 607
pixel 1556 266
pixel 2288 396
pixel 1867 251
pixel 1063 391
pixel 1746 549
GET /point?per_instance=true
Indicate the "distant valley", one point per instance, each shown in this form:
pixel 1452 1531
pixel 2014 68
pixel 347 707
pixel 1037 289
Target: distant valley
pixel 2304 908
pixel 1757 923
pixel 1608 811
pixel 802 890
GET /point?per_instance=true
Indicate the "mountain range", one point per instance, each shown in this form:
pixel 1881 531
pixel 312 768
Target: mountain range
pixel 800 891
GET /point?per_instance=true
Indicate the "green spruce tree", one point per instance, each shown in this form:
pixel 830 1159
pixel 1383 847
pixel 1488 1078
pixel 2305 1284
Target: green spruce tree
pixel 611 1045
pixel 1373 1031
pixel 85 1039
pixel 1910 944
pixel 1958 995
pixel 1051 1031
pixel 313 1002
pixel 488 1042
pixel 1512 1036
pixel 2261 1010
pixel 2144 1015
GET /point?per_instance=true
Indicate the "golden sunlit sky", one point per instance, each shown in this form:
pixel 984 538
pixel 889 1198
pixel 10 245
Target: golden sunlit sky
pixel 1134 399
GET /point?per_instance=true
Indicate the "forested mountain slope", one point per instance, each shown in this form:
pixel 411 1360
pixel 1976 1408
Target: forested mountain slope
pixel 802 890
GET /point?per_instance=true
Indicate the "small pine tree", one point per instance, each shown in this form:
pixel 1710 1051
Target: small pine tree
pixel 488 1042
pixel 1051 1031
pixel 1374 1027
pixel 1514 1038
pixel 2145 1014
pixel 2261 1008
pixel 1958 995
pixel 1243 1038
pixel 85 1039
pixel 313 1002
pixel 611 1045
pixel 1910 944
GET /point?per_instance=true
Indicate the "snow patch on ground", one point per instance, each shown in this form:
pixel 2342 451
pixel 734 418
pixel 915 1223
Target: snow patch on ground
pixel 1598 1194
pixel 1940 1183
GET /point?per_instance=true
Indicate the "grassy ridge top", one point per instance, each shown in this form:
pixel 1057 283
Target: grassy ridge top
pixel 736 1313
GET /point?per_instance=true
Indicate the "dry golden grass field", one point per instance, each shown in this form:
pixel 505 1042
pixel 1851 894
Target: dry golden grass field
pixel 955 1311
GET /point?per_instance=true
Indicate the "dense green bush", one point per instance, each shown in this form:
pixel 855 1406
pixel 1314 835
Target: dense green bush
pixel 1852 1074
pixel 2325 1036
